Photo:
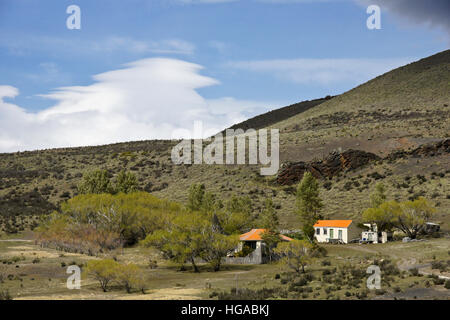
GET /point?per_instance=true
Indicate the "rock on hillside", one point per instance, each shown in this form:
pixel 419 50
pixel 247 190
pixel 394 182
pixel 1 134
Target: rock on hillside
pixel 335 163
pixel 426 150
pixel 352 159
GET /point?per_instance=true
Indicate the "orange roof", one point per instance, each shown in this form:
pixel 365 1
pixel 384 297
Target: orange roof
pixel 255 235
pixel 333 223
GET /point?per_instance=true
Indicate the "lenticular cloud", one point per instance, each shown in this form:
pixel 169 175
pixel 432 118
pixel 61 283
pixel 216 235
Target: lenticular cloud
pixel 147 99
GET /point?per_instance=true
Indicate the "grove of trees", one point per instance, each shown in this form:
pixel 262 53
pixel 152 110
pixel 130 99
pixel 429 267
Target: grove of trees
pixel 208 230
pixel 94 223
pixel 407 216
pixel 106 271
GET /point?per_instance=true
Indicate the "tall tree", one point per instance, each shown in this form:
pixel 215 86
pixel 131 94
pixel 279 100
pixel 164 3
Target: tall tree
pixel 269 218
pixel 378 196
pixel 309 204
pixel 413 216
pixel 196 196
pixel 269 221
pixel 219 245
pixel 192 235
pixel 382 215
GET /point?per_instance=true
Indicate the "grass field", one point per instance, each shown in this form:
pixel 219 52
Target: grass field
pixel 32 272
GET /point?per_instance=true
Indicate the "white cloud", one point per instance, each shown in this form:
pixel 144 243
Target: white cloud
pixel 23 44
pixel 322 71
pixel 147 99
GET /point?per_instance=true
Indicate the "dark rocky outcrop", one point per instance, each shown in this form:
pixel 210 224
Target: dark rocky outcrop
pixel 348 160
pixel 425 150
pixel 335 163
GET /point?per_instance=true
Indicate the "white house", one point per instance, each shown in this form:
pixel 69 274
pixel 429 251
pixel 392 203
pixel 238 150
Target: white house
pixel 342 231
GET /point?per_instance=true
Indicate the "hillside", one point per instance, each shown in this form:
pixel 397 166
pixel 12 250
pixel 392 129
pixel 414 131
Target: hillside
pixel 400 110
pixel 274 116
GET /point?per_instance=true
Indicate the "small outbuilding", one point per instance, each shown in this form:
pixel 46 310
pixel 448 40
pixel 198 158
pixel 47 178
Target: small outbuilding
pixel 336 231
pixel 253 242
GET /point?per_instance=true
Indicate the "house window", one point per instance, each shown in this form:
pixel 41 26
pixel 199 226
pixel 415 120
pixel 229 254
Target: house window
pixel 318 231
pixel 324 230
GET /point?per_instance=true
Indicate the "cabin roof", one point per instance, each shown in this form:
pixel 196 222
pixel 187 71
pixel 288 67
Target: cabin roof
pixel 333 223
pixel 255 235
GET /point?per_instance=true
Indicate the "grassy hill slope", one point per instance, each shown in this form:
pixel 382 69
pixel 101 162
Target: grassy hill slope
pixel 399 110
pixel 274 116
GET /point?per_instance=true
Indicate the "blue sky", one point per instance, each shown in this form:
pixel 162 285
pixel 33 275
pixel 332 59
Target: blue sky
pixel 220 61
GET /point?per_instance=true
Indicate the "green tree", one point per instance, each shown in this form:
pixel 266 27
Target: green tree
pixel 129 276
pixel 413 216
pixel 378 196
pixel 101 222
pixel 104 271
pixel 126 182
pixel 407 216
pixel 183 239
pixel 196 196
pixel 309 204
pixel 210 203
pixel 235 216
pixel 269 221
pixel 269 218
pixel 382 215
pixel 232 222
pixel 95 182
pixel 239 204
pixel 219 245
pixel 192 235
pixel 296 254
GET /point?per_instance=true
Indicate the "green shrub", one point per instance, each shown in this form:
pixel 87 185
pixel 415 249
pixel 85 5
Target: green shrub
pixel 447 284
pixel 414 272
pixel 326 263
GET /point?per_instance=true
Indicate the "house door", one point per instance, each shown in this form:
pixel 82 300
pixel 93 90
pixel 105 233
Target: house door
pixel 331 233
pixel 340 234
